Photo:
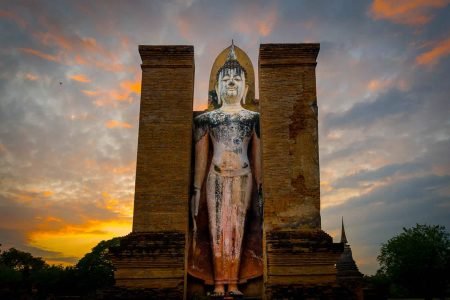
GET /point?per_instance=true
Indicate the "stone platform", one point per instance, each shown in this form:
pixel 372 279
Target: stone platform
pixel 152 262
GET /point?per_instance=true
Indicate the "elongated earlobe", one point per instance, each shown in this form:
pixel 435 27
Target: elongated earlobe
pixel 219 100
pixel 245 94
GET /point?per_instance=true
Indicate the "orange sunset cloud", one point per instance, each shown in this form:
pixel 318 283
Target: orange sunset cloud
pixel 431 57
pixel 41 54
pixel 15 18
pixel 31 77
pixel 125 92
pixel 80 78
pixel 117 124
pixel 263 22
pixel 76 240
pixel 408 12
pixel 76 50
pixel 132 86
pixel 90 93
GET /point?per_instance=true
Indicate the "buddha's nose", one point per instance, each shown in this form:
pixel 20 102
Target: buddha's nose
pixel 231 83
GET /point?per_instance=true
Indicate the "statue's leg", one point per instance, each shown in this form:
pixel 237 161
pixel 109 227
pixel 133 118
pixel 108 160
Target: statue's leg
pixel 214 197
pixel 240 201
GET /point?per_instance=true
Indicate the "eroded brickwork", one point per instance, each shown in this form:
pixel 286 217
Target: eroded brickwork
pixel 290 156
pixel 151 260
pixel 165 137
pixel 299 257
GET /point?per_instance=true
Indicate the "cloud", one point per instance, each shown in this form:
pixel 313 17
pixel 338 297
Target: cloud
pixel 31 76
pixel 80 78
pixel 388 208
pixel 264 20
pixel 75 241
pixel 60 231
pixel 408 12
pixel 382 120
pixel 42 55
pixel 13 17
pixel 90 93
pixel 127 91
pixel 362 114
pixel 439 51
pixel 132 86
pixel 117 124
pixel 377 175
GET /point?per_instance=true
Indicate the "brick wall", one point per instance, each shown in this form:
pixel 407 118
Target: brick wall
pixel 290 157
pixel 165 137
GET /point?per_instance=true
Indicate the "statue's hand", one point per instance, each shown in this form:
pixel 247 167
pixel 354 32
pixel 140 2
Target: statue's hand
pixel 260 200
pixel 195 202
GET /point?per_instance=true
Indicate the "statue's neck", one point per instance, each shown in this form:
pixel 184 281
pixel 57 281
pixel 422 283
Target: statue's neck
pixel 231 107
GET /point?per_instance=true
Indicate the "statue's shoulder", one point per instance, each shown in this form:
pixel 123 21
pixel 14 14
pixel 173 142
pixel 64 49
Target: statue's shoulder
pixel 250 115
pixel 203 118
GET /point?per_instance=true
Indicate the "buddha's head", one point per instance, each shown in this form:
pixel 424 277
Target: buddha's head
pixel 231 85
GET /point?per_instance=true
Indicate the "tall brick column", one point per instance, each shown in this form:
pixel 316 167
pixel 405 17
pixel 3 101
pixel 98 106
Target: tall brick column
pixel 153 255
pixel 299 256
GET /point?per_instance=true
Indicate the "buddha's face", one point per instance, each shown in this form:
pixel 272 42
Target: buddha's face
pixel 231 86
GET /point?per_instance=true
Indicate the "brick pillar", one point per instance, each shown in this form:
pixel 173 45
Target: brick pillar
pixel 299 257
pixel 165 137
pixel 153 255
pixel 290 154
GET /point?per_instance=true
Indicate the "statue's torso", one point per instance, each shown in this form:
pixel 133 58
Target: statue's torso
pixel 230 134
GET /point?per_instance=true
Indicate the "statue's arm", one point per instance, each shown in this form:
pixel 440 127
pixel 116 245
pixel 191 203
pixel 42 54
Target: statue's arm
pixel 201 160
pixel 201 138
pixel 257 169
pixel 256 159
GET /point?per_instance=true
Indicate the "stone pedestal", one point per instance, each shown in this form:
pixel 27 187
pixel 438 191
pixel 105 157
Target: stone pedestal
pixel 299 257
pixel 152 258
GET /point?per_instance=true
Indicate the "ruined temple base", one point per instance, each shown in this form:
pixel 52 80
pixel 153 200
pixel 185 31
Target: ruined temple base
pixel 149 265
pixel 301 265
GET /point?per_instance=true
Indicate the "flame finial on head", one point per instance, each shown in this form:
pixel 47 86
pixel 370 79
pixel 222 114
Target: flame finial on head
pixel 232 54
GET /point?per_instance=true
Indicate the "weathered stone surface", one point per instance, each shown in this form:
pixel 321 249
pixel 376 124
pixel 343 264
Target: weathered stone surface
pixel 151 260
pixel 299 257
pixel 290 156
pixel 165 139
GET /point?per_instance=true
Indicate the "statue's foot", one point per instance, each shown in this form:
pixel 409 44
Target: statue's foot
pixel 233 291
pixel 219 290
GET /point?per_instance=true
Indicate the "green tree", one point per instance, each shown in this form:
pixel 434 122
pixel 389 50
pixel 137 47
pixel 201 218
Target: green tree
pixel 417 261
pixel 19 260
pixel 95 269
pixel 20 272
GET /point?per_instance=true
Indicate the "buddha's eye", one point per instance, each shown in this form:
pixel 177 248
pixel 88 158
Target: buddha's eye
pixel 237 78
pixel 226 78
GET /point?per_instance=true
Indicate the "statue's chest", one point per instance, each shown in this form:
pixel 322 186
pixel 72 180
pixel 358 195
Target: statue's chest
pixel 231 129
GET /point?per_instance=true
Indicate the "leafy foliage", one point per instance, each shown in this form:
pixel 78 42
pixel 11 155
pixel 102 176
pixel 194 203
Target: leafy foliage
pixel 19 260
pixel 417 261
pixel 22 274
pixel 96 268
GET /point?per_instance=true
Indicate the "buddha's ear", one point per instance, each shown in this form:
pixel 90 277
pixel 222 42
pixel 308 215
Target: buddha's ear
pixel 219 101
pixel 245 93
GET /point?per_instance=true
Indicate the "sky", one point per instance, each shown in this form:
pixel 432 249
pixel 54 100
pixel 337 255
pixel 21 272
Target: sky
pixel 69 103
